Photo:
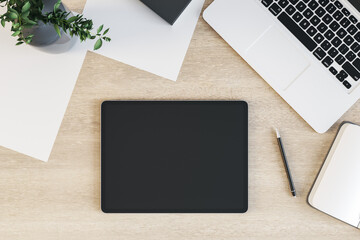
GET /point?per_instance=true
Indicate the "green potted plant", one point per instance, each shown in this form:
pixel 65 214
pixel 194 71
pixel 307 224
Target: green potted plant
pixel 43 22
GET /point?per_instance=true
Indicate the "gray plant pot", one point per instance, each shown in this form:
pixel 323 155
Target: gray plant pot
pixel 46 38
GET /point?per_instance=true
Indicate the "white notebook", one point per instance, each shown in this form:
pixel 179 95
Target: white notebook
pixel 336 190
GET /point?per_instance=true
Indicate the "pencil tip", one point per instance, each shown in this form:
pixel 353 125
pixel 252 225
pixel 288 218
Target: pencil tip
pixel 277 133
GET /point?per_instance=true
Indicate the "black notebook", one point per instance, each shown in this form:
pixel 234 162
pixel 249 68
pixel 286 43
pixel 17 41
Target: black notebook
pixel 166 157
pixel 169 10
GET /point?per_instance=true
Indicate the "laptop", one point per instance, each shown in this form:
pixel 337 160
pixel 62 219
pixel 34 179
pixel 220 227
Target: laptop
pixel 308 51
pixel 167 9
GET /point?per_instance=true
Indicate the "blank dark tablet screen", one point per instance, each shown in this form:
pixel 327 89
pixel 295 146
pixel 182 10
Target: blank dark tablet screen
pixel 164 157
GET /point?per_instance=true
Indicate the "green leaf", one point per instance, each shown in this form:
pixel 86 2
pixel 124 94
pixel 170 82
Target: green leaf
pixel 16 33
pixel 25 14
pixel 28 25
pixel 3 22
pixel 16 25
pixel 26 7
pixel 19 43
pixel 100 29
pixel 57 5
pixel 12 16
pixel 13 11
pixel 56 27
pixel 72 19
pixel 28 21
pixel 30 36
pixel 98 44
pixel 107 39
pixel 106 31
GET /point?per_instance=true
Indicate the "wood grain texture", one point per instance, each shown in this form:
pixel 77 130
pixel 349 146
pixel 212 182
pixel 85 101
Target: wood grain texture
pixel 61 199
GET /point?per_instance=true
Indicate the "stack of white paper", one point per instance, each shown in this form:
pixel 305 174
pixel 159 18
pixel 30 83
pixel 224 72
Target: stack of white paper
pixel 35 86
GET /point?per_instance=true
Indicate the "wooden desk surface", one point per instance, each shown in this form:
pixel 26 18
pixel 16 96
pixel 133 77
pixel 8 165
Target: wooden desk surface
pixel 61 199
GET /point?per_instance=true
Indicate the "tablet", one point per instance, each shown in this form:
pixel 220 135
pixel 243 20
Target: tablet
pixel 174 157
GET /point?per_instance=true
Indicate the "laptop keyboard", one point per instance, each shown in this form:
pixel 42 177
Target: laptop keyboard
pixel 327 29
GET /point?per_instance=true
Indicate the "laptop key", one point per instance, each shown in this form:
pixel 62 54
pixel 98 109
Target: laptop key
pixel 357 37
pixel 347 84
pixel 315 20
pixel 345 22
pixel 318 38
pixel 353 19
pixel 354 73
pixel 343 49
pixel 341 33
pixel 345 12
pixel 312 31
pixel 348 40
pixel 342 75
pixel 333 70
pixel 334 26
pixel 338 15
pixel 290 10
pixel 327 61
pixel 340 59
pixel 330 8
pixel 322 27
pixel 308 13
pixel 275 9
pixel 323 2
pixel 320 11
pixel 352 29
pixel 297 31
pixel 297 17
pixel 319 53
pixel 338 4
pixel 283 3
pixel 350 56
pixel 325 45
pixel 329 35
pixel 267 3
pixel 327 18
pixel 355 47
pixel 300 6
pixel 313 4
pixel 333 52
pixel 357 64
pixel 304 24
pixel 336 42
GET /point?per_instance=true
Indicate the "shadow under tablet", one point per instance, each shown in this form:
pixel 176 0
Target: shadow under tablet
pixel 174 157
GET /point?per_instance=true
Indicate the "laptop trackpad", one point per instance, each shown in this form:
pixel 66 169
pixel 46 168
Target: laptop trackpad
pixel 276 59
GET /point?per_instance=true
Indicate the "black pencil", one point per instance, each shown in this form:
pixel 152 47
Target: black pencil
pixel 286 165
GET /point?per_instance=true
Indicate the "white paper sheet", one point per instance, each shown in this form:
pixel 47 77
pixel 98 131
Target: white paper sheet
pixel 141 38
pixel 35 89
pixel 35 86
